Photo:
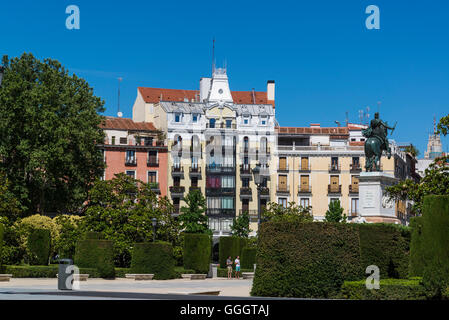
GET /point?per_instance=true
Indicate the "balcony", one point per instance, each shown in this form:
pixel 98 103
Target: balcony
pixel 216 168
pixel 177 171
pixel 130 162
pixel 177 191
pixel 333 189
pixel 305 168
pixel 221 125
pixel 264 193
pixel 153 162
pixel 154 186
pixel 246 193
pixel 248 150
pixel 253 214
pixel 193 188
pixel 283 168
pixel 353 188
pixel 355 168
pixel 217 212
pixel 305 189
pixel 245 170
pixel 195 171
pixel 334 168
pixel 284 190
pixel 220 191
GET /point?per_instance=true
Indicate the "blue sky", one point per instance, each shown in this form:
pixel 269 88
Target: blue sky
pixel 323 59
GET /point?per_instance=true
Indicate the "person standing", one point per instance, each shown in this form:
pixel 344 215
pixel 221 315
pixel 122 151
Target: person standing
pixel 237 267
pixel 229 265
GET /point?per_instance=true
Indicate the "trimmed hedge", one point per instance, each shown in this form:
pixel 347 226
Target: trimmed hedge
pixel 197 252
pixel 389 289
pixel 94 253
pixel 386 246
pixel 93 235
pixel 416 250
pixel 248 258
pixel 435 245
pixel 38 247
pixel 42 271
pixel 179 271
pixel 156 258
pixel 230 246
pixel 307 260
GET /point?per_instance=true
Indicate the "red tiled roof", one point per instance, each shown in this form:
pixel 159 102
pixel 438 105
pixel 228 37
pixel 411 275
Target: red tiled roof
pixel 308 130
pixel 126 124
pixel 154 95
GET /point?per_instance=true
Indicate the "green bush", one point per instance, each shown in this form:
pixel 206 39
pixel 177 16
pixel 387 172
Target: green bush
pixel 69 233
pixel 435 245
pixel 386 246
pixel 92 235
pixel 389 289
pixel 248 258
pixel 307 260
pixel 179 271
pixel 38 247
pixel 230 246
pixel 94 253
pixel 197 252
pixel 416 253
pixel 223 272
pixel 156 258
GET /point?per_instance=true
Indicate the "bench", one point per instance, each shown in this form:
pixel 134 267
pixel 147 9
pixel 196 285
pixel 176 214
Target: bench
pixel 194 276
pixel 79 277
pixel 248 275
pixel 139 276
pixel 5 277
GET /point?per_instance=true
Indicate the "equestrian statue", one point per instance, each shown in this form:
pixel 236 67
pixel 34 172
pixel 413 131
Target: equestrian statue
pixel 376 142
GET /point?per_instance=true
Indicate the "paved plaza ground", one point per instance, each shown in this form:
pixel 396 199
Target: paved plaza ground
pixel 120 288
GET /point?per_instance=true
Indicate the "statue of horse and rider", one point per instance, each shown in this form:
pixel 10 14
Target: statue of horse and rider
pixel 376 142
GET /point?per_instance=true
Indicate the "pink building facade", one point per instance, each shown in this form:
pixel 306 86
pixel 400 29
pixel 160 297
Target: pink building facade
pixel 136 149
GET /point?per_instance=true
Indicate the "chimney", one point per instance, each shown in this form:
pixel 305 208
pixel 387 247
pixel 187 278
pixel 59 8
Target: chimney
pixel 270 90
pixel 314 125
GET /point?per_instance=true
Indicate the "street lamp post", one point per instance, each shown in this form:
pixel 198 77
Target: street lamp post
pixel 154 221
pixel 258 182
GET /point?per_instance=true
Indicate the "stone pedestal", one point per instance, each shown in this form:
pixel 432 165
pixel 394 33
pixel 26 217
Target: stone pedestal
pixel 374 204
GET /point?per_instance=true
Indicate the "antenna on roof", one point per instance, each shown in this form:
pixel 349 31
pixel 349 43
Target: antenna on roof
pixel 347 118
pixel 119 113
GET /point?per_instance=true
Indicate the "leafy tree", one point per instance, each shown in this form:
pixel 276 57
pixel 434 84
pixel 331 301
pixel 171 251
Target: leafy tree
pixel 193 218
pixel 49 128
pixel 335 212
pixel 443 125
pixel 292 213
pixel 240 226
pixel 69 233
pixel 412 150
pixel 9 205
pixel 123 209
pixel 434 182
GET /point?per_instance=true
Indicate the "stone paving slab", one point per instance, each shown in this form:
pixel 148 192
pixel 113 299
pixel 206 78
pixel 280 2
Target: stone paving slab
pixel 230 288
